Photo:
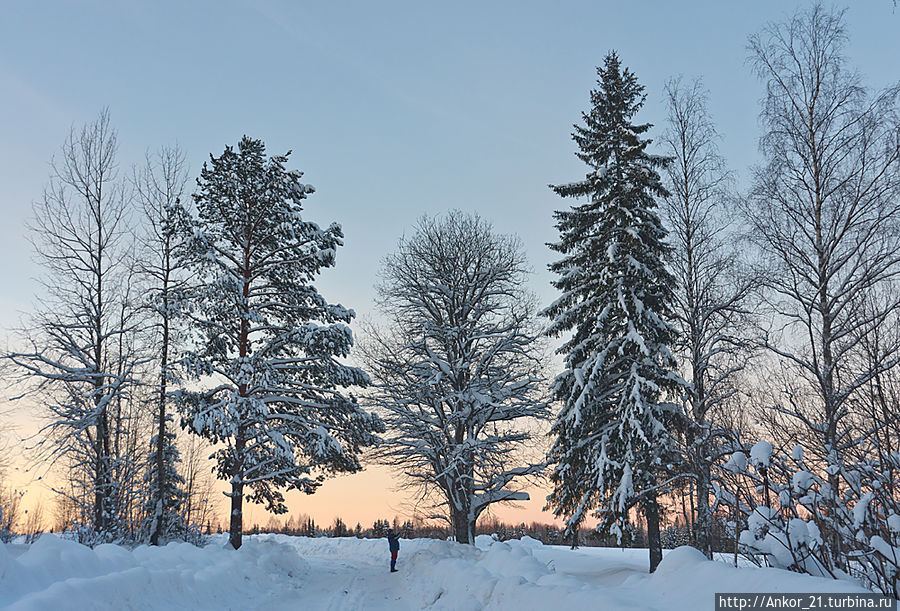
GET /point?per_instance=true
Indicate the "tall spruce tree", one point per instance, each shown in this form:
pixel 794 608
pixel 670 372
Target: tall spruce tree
pixel 269 342
pixel 611 442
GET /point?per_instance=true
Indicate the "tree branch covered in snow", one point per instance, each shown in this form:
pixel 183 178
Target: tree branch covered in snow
pixel 824 213
pixel 458 372
pixel 786 505
pixel 78 354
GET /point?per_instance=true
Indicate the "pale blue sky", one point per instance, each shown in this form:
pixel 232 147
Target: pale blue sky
pixel 391 109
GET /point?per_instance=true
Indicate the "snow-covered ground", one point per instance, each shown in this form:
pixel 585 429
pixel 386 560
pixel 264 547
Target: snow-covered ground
pixel 281 572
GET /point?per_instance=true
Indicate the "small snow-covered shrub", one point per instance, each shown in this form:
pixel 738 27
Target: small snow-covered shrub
pixel 786 521
pixel 675 536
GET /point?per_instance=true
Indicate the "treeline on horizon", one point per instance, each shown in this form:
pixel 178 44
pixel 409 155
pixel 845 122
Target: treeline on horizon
pixel 302 525
pixel 731 361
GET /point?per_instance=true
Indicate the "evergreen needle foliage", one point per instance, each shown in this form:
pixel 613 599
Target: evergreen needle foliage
pixel 268 343
pixel 610 437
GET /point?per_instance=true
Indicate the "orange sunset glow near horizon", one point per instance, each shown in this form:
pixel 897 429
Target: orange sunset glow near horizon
pixel 375 493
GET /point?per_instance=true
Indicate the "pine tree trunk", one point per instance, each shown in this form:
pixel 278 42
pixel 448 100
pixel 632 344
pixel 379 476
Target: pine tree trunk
pixel 235 528
pixel 236 525
pixel 237 482
pixel 651 509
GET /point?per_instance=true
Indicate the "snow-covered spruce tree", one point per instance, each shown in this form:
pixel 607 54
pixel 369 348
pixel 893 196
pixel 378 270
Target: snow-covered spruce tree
pixel 269 343
pixel 611 441
pixel 159 187
pixel 78 354
pixel 709 308
pixel 458 370
pixel 164 495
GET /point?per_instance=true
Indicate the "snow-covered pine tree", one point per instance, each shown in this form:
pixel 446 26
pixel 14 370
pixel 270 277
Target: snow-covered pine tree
pixel 269 341
pixel 611 442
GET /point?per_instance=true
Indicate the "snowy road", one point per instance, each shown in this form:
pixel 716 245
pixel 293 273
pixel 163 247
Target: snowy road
pixel 336 583
pixel 281 573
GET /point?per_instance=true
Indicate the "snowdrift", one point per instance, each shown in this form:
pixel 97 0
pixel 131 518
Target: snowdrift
pixel 281 572
pixel 55 574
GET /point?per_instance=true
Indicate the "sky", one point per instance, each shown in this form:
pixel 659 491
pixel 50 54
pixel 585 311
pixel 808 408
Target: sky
pixel 392 110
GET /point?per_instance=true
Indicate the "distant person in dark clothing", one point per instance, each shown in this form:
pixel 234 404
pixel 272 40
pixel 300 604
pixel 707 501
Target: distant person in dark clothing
pixel 394 546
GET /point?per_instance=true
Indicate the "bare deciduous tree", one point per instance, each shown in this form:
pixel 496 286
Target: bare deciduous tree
pixel 458 370
pixel 159 187
pixel 80 354
pixel 10 499
pixel 199 484
pixel 709 304
pixel 824 212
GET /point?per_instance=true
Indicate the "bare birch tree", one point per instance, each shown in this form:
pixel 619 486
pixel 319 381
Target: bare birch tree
pixel 709 305
pixel 824 211
pixel 199 484
pixel 160 188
